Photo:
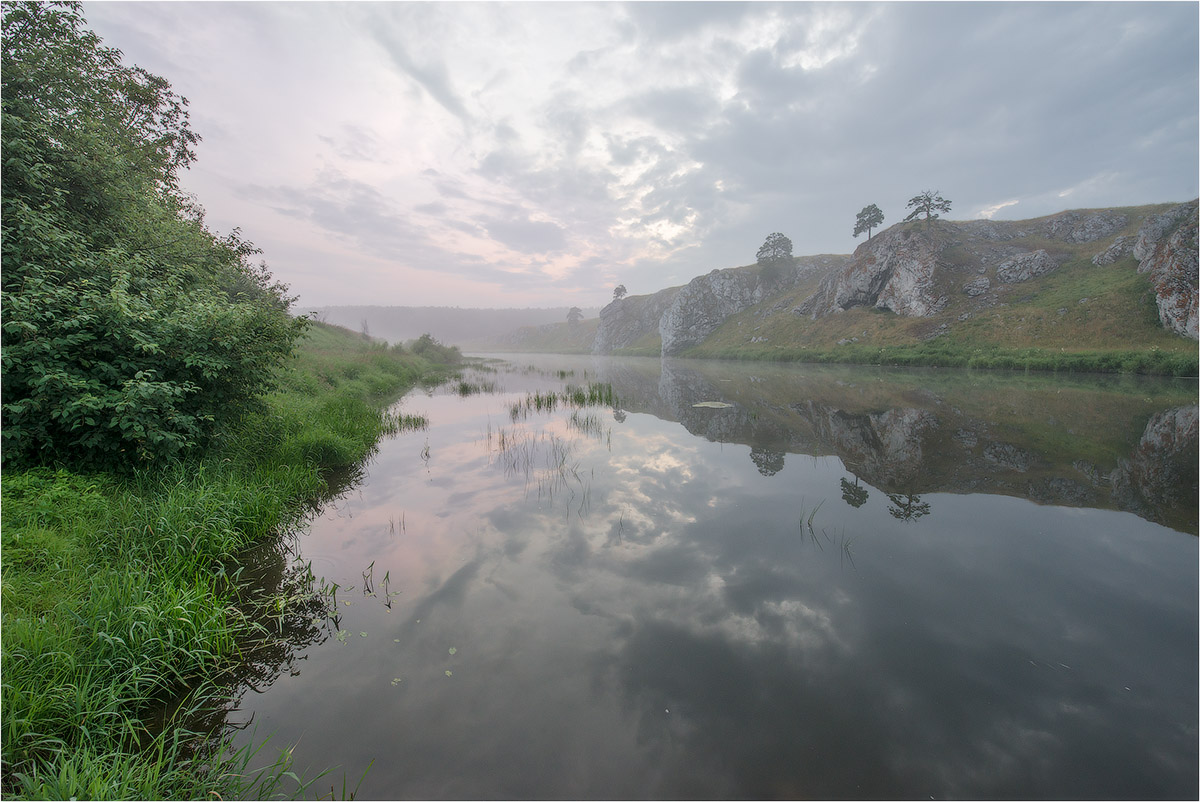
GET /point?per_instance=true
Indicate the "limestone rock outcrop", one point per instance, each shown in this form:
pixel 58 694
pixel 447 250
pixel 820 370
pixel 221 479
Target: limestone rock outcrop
pixel 709 300
pixel 625 321
pixel 1025 266
pixel 920 270
pixel 1166 249
pixel 895 270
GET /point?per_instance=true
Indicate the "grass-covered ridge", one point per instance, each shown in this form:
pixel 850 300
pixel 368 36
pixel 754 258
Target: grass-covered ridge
pixel 115 593
pixel 1080 317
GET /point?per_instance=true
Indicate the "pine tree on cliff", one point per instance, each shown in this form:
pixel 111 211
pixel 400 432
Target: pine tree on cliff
pixel 775 256
pixel 928 203
pixel 870 217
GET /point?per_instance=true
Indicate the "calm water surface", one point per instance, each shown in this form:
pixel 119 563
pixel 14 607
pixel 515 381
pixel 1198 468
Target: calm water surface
pixel 850 583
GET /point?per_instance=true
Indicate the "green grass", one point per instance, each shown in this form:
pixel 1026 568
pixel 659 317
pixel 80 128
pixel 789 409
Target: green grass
pixel 952 355
pixel 115 591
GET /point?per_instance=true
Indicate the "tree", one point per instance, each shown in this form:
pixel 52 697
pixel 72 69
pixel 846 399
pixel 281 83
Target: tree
pixel 928 203
pixel 433 350
pixel 775 256
pixel 870 217
pixel 619 292
pixel 574 315
pixel 767 461
pixel 131 332
pixel 907 506
pixel 854 494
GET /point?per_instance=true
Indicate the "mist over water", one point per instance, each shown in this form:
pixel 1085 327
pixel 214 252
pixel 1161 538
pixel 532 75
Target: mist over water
pixel 847 583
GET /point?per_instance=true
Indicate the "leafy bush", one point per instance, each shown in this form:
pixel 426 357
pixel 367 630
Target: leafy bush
pixel 429 348
pixel 130 330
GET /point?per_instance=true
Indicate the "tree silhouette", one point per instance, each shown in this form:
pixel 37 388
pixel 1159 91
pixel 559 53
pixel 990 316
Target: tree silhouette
pixel 574 316
pixel 775 256
pixel 619 292
pixel 768 462
pixel 870 217
pixel 854 494
pixel 907 506
pixel 928 203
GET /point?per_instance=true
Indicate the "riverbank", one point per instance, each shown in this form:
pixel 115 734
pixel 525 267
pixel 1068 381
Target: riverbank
pixel 1177 363
pixel 117 589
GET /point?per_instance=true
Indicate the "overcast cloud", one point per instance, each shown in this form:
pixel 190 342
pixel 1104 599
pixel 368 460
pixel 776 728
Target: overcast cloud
pixel 538 154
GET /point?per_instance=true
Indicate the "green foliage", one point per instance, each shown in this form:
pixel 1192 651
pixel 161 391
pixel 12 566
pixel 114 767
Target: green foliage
pixel 775 256
pixel 114 592
pixel 870 217
pixel 429 348
pixel 928 203
pixel 130 331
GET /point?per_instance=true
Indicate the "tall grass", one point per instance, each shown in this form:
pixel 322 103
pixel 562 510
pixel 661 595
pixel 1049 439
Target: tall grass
pixel 115 592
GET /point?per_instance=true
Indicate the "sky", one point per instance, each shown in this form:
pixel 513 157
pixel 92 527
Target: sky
pixel 539 154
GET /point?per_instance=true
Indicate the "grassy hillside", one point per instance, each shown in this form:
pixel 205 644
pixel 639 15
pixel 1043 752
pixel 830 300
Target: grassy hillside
pixel 1080 316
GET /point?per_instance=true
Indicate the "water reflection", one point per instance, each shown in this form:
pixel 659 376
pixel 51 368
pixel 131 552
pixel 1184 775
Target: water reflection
pixel 1114 442
pixel 654 599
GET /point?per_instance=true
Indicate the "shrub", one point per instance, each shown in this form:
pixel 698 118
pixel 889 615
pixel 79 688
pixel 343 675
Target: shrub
pixel 130 330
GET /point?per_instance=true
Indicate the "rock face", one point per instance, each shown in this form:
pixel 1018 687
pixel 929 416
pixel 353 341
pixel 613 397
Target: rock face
pixel 708 301
pixel 918 270
pixel 895 270
pixel 1025 266
pixel 1166 249
pixel 913 270
pixel 1121 246
pixel 626 321
pixel 1079 227
pixel 1161 474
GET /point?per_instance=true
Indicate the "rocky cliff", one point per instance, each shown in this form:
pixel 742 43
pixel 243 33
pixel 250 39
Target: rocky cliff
pixel 1166 249
pixel 707 301
pixel 918 270
pixel 1065 282
pixel 627 320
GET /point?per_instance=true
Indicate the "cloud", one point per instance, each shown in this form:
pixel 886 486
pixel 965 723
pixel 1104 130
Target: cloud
pixel 534 142
pixel 990 211
pixel 527 236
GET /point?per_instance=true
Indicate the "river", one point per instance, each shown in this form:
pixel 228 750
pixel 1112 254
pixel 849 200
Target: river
pixel 829 582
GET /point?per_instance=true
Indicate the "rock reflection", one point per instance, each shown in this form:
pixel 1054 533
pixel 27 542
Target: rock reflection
pixel 1127 443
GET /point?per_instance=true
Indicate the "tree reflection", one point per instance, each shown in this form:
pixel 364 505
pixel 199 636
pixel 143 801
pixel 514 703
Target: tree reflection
pixel 907 506
pixel 767 461
pixel 854 494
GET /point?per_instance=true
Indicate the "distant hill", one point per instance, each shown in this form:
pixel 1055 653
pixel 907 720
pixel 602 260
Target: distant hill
pixel 1090 289
pixel 469 329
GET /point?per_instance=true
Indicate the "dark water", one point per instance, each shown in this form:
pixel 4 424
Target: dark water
pixel 851 583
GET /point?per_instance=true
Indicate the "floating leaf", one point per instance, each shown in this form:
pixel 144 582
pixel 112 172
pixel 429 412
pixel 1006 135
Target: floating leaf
pixel 713 405
pixel 449 673
pixel 453 650
pixel 363 634
pixel 395 640
pixel 397 680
